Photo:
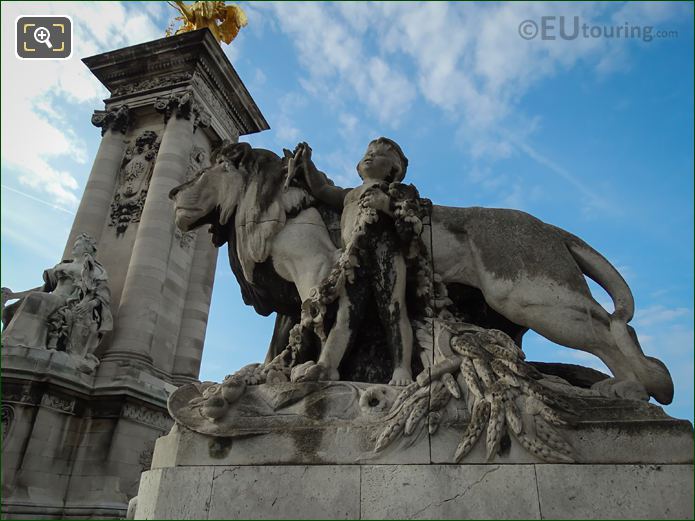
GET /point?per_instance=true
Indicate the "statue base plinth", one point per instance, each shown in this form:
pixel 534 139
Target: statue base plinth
pixel 527 491
pixel 294 450
pixel 74 444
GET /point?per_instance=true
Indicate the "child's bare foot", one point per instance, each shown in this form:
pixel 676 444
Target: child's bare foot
pixel 401 377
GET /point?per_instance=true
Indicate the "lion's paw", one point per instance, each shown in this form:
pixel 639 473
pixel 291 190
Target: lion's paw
pixel 627 389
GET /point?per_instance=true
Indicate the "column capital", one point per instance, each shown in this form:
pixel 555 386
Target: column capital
pixel 116 119
pixel 183 105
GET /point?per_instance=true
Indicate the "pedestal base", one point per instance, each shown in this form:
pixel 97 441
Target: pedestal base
pixel 529 491
pixel 74 445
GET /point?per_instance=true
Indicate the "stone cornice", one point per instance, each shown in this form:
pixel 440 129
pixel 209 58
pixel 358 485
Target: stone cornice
pixel 142 73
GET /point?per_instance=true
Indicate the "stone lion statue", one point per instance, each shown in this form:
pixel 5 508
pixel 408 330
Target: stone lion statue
pixel 526 273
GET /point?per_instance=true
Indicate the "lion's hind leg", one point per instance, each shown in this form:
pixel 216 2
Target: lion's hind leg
pixel 577 321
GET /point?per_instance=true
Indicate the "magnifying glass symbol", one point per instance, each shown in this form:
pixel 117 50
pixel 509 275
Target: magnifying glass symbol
pixel 42 35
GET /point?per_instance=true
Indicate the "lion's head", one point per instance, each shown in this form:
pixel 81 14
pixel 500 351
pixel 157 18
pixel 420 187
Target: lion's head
pixel 245 184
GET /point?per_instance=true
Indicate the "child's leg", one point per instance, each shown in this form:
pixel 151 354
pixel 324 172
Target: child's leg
pixel 389 289
pixel 348 318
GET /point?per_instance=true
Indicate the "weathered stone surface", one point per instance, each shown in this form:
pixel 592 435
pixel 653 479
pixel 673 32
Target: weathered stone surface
pixel 180 493
pixel 72 445
pixel 301 492
pixel 606 431
pixel 336 423
pixel 526 491
pixel 615 491
pixel 449 492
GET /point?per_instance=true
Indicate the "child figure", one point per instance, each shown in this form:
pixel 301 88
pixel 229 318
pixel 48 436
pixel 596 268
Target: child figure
pixel 381 273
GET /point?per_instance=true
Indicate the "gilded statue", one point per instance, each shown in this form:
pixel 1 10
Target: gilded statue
pixel 224 21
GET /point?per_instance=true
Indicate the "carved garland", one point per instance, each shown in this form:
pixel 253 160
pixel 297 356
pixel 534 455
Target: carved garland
pixel 147 416
pixel 58 403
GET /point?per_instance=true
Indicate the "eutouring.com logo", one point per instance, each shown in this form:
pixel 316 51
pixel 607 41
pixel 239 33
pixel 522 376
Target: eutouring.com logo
pixel 572 28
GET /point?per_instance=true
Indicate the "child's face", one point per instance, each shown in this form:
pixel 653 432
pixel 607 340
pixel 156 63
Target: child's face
pixel 379 162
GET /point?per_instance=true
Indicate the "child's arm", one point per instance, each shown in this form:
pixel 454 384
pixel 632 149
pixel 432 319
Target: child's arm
pixel 317 181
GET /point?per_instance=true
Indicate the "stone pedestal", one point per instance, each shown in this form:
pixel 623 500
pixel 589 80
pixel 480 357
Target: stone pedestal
pixel 527 491
pixel 315 458
pixel 75 441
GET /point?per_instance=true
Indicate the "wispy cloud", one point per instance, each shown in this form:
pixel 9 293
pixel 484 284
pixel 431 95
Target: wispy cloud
pixel 36 96
pixel 38 200
pixel 592 199
pixel 467 61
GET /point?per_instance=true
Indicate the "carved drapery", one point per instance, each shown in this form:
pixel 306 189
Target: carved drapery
pixel 133 181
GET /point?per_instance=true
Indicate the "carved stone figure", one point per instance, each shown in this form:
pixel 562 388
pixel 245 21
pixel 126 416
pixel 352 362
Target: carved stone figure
pixel 134 181
pixel 530 274
pixel 70 312
pixel 371 265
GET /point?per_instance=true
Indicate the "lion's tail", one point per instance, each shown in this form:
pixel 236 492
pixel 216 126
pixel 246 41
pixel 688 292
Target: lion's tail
pixel 652 373
pixel 597 268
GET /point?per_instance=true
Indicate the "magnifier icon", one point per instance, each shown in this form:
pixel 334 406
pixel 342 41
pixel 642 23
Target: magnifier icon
pixel 42 35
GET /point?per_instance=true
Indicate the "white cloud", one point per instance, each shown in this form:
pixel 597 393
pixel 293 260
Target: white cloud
pixel 467 60
pixel 338 62
pixel 659 315
pixel 35 95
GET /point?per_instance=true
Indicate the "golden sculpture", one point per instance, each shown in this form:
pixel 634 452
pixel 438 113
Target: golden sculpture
pixel 223 20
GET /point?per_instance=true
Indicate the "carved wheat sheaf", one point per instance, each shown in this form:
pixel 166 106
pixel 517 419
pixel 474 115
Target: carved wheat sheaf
pixel 504 397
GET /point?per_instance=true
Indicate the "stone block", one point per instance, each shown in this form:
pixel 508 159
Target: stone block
pixel 177 493
pixel 616 491
pixel 449 492
pixel 286 492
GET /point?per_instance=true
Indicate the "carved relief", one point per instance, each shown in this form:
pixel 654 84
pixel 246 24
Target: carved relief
pixel 116 119
pixel 7 419
pixel 58 403
pixel 152 83
pixel 149 417
pixel 145 459
pixel 184 106
pixel 206 93
pixel 19 395
pixel 133 181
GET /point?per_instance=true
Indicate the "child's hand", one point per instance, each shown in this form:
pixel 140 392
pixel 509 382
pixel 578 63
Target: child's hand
pixel 377 200
pixel 304 164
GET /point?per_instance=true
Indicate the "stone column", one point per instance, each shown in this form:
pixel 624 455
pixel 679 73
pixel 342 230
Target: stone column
pixel 96 200
pixel 189 350
pixel 142 292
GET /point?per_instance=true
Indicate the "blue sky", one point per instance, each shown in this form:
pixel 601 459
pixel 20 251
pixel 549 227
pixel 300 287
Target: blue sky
pixel 593 134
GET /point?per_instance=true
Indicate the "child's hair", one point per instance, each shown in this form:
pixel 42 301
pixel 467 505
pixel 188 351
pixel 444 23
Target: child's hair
pixel 397 149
